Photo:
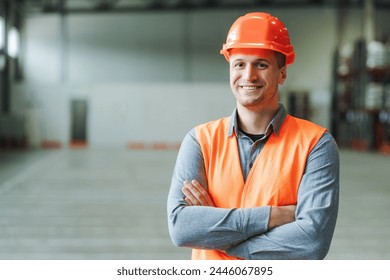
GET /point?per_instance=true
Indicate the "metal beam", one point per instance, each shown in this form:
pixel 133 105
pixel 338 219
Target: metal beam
pixel 110 6
pixel 49 10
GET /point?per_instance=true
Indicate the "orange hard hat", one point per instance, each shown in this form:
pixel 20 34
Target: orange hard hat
pixel 259 30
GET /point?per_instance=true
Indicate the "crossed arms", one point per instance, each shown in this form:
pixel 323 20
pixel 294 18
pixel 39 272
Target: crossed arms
pixel 262 232
pixel 196 195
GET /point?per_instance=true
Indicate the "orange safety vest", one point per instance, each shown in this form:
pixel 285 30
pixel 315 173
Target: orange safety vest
pixel 274 178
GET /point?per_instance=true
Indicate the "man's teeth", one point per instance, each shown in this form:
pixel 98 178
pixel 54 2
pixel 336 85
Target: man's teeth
pixel 250 87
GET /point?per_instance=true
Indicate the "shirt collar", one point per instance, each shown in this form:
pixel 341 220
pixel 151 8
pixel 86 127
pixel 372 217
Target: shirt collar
pixel 273 126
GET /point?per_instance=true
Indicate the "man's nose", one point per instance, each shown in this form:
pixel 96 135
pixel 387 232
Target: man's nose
pixel 250 73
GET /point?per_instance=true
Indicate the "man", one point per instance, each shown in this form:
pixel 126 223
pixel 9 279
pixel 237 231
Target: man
pixel 260 184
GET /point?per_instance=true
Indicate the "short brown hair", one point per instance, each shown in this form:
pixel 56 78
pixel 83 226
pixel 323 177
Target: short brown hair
pixel 281 59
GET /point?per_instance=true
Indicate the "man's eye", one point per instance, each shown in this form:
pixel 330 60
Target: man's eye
pixel 239 65
pixel 262 65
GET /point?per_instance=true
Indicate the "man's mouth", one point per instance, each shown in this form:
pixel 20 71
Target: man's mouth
pixel 252 87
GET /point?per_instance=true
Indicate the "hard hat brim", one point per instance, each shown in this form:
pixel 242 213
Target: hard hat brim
pixel 287 51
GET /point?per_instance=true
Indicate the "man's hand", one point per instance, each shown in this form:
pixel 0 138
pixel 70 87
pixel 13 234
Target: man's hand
pixel 196 195
pixel 281 215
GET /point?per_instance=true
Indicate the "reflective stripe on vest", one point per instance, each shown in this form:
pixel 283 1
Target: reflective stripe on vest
pixel 274 178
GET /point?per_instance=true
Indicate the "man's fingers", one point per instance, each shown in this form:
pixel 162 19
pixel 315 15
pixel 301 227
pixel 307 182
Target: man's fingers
pixel 205 195
pixel 190 198
pixel 195 194
pixel 189 202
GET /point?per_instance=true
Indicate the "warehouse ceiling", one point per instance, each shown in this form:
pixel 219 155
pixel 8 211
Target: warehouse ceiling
pixel 95 6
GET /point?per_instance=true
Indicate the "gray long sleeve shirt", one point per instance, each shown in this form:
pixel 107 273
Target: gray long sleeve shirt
pixel 243 232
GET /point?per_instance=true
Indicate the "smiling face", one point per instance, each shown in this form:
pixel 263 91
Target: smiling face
pixel 255 76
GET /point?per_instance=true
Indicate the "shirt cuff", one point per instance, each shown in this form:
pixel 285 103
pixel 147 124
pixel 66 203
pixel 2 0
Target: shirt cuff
pixel 258 220
pixel 257 223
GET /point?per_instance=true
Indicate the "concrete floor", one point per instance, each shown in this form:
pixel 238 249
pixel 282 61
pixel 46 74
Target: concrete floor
pixel 110 204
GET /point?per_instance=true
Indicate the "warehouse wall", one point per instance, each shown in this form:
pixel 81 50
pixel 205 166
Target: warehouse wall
pixel 153 76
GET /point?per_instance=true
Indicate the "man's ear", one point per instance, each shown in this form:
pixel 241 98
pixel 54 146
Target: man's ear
pixel 282 75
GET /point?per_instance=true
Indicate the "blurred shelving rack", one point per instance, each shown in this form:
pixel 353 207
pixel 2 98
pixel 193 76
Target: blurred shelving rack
pixel 361 96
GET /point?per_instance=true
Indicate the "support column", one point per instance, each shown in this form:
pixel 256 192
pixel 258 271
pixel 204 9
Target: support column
pixel 63 43
pixel 4 76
